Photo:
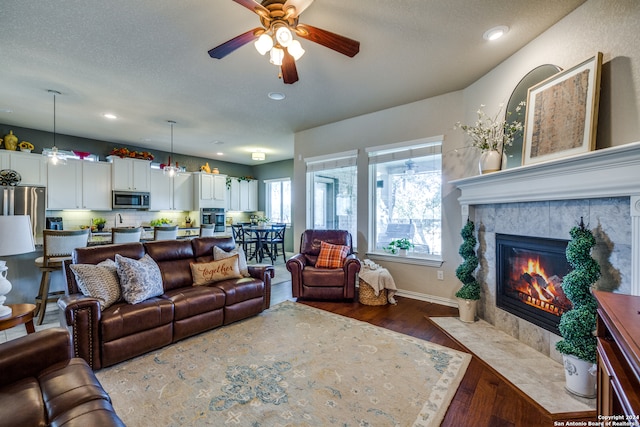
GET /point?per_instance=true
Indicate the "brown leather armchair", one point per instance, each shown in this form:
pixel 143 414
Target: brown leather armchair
pixel 307 281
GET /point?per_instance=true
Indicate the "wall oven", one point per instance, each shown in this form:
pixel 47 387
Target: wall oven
pixel 215 216
pixel 130 200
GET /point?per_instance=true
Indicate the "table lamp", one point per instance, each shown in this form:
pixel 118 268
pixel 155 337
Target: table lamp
pixel 16 238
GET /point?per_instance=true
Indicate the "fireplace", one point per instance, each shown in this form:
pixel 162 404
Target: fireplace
pixel 529 275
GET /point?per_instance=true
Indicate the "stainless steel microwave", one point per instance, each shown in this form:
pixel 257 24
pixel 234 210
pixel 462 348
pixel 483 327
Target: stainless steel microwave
pixel 130 200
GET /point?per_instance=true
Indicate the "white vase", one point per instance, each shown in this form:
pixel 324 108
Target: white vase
pixel 490 161
pixel 467 309
pixel 580 376
pixel 402 252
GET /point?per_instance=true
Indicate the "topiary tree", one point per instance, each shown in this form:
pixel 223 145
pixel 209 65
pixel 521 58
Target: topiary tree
pixel 470 287
pixel 577 325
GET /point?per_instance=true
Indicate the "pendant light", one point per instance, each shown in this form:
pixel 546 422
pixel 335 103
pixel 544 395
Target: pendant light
pixel 168 168
pixel 55 157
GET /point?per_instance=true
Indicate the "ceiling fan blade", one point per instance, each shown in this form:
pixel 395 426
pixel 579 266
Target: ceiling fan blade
pixel 253 6
pixel 229 46
pixel 300 5
pixel 344 45
pixel 289 71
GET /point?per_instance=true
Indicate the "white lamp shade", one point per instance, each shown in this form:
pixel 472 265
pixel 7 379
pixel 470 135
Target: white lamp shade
pixel 16 236
pixel 295 49
pixel 284 37
pixel 263 44
pixel 276 56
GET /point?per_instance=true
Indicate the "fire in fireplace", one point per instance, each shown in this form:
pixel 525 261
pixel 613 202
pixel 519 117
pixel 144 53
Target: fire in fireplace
pixel 529 278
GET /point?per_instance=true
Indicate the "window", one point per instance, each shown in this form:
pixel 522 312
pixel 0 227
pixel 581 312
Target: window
pixel 406 189
pixel 278 200
pixel 332 189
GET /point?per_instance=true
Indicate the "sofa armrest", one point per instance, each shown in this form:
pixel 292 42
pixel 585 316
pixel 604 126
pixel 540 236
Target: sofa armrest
pixel 264 272
pixel 31 354
pixel 81 316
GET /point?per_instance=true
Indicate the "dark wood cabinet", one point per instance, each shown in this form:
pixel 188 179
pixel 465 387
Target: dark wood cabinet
pixel 618 332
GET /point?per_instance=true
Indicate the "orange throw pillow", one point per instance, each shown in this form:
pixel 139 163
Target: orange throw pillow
pixel 331 256
pixel 204 273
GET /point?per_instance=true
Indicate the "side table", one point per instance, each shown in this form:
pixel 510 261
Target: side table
pixel 21 314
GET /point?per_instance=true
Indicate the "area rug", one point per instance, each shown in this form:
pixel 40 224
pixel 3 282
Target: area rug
pixel 292 365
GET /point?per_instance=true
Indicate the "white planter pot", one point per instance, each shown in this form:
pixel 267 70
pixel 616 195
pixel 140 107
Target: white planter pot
pixel 580 376
pixel 490 161
pixel 402 252
pixel 467 309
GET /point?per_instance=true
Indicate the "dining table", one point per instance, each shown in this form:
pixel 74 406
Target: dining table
pixel 261 234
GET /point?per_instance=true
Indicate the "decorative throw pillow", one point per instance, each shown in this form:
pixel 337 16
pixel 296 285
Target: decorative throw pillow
pixel 219 254
pixel 331 256
pixel 139 279
pixel 214 271
pixel 99 281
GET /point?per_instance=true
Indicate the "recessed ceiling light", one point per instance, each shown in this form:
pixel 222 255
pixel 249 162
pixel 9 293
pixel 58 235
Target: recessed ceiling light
pixel 495 33
pixel 216 142
pixel 276 96
pixel 109 116
pixel 220 154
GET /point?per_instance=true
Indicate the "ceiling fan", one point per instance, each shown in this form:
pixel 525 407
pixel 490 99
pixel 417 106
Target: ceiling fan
pixel 279 19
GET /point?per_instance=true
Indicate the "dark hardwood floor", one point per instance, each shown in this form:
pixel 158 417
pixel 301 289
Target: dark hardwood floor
pixel 484 398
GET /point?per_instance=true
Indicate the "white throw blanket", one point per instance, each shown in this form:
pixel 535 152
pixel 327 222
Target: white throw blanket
pixel 378 278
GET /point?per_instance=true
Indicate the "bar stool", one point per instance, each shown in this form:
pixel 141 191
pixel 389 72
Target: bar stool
pixel 165 232
pixel 206 230
pixel 125 234
pixel 58 246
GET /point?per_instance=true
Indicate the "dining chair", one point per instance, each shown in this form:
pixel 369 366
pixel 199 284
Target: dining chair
pixel 57 247
pixel 206 230
pixel 165 232
pixel 245 238
pixel 275 239
pixel 125 234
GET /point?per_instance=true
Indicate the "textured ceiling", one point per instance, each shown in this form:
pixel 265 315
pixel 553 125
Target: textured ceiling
pixel 146 61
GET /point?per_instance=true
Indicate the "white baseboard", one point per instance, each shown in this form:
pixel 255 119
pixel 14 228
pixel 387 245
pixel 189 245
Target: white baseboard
pixel 429 298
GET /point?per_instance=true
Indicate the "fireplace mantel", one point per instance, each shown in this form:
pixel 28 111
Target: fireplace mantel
pixel 610 172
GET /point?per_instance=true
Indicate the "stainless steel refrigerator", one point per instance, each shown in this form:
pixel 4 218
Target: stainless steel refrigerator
pixel 25 201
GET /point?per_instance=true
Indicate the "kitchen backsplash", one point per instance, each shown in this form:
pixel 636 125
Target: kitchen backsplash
pixel 73 220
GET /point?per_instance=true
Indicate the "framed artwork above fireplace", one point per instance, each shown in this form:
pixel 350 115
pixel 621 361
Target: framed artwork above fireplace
pixel 529 273
pixel 562 113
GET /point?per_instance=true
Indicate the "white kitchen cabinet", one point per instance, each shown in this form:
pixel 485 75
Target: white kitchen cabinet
pixel 79 184
pixel 31 167
pixel 131 174
pixel 183 192
pixel 209 190
pixel 169 193
pixel 242 195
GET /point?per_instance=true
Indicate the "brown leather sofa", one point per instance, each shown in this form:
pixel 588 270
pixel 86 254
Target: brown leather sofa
pixel 123 331
pixel 310 282
pixel 41 384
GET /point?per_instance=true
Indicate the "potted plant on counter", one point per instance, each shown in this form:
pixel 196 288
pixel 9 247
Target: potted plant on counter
pixel 577 326
pixel 400 246
pixel 99 223
pixel 469 294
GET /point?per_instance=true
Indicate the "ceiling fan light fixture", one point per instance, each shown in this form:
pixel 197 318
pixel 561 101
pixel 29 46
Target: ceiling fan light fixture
pixel 276 56
pixel 283 36
pixel 258 155
pixel 295 49
pixel 263 44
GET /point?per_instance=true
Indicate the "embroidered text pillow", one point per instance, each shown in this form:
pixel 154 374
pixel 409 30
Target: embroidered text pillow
pixel 139 279
pixel 204 273
pixel 331 256
pixel 99 281
pixel 219 254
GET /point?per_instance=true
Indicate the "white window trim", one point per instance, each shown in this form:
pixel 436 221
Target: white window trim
pixel 389 149
pixel 267 200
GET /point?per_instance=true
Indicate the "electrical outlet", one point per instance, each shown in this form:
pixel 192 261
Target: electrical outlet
pixel 440 275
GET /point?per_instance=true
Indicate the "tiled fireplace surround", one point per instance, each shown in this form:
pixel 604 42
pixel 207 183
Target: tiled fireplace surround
pixel 547 200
